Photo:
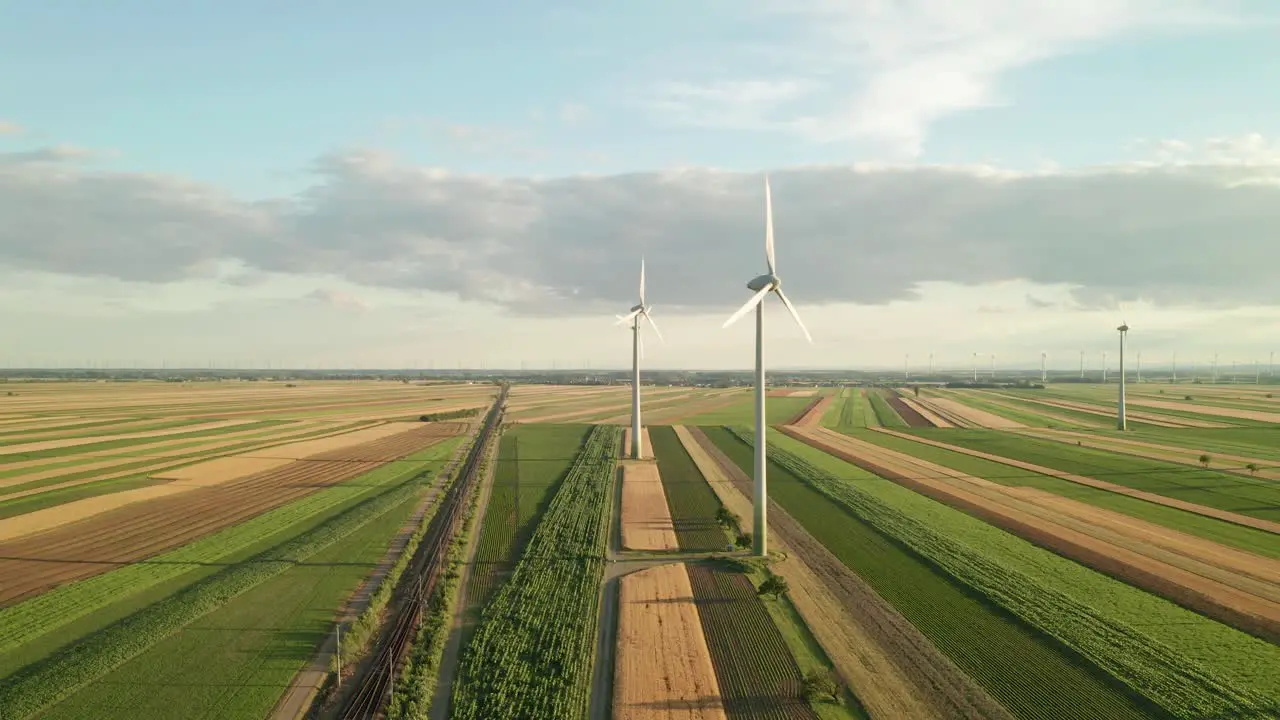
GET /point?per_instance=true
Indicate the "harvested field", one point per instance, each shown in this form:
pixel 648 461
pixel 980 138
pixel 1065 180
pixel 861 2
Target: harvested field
pixel 79 547
pixel 711 402
pixel 980 418
pixel 646 450
pixel 320 446
pixel 893 669
pixel 646 520
pixel 663 669
pixel 220 470
pixel 1206 577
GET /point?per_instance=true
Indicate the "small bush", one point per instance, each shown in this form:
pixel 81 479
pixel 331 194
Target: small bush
pixel 1205 460
pixel 774 587
pixel 744 540
pixel 822 686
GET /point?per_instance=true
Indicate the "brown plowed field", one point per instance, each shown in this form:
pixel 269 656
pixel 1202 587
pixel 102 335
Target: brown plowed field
pixel 1121 547
pixel 646 519
pixel 663 669
pixel 76 550
pixel 72 442
pixel 906 412
pixel 894 670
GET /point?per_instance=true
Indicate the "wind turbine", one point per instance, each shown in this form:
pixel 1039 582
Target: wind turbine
pixel 975 367
pixel 1175 366
pixel 930 364
pixel 1104 367
pixel 1081 364
pixel 763 285
pixel 1120 423
pixel 639 310
pixel 906 366
pixel 993 366
pixel 1044 375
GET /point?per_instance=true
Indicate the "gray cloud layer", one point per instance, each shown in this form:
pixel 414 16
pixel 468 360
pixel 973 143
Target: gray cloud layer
pixel 1189 234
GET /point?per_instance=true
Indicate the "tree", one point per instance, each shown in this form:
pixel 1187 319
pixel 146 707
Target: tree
pixel 1205 460
pixel 1252 468
pixel 917 389
pixel 822 685
pixel 774 587
pixel 744 540
pixel 726 517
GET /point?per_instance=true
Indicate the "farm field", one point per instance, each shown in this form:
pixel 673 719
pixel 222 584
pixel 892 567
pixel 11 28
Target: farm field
pixel 1007 684
pixel 692 504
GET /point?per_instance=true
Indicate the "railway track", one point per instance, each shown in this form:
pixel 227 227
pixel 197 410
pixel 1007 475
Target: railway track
pixel 377 680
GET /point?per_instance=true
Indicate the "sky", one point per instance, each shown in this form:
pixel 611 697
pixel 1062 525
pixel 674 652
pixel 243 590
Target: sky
pixel 434 185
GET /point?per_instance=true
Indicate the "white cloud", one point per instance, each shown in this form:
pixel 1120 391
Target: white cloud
pixel 9 128
pixel 1170 232
pixel 338 299
pixel 883 72
pixel 574 113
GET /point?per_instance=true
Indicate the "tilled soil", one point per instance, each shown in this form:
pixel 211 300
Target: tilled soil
pixel 76 550
pixel 906 412
pixel 981 418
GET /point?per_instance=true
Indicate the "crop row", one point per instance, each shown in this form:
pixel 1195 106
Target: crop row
pixel 532 654
pixel 532 462
pixel 757 675
pixel 692 502
pixel 37 686
pixel 1178 684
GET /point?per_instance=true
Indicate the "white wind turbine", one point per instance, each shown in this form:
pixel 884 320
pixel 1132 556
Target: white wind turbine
pixel 1120 418
pixel 763 285
pixel 640 310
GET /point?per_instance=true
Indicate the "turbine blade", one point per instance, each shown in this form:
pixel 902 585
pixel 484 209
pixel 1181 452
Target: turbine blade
pixel 653 325
pixel 755 300
pixel 624 319
pixel 795 315
pixel 768 228
pixel 642 280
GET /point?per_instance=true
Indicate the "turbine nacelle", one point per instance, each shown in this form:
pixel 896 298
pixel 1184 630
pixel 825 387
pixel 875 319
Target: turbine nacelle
pixel 769 281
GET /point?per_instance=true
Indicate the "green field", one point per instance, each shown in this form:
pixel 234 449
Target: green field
pixel 1028 672
pixel 777 410
pixel 1225 491
pixel 532 462
pixel 31 630
pixel 692 502
pixel 115 646
pixel 239 659
pixel 533 652
pixel 884 413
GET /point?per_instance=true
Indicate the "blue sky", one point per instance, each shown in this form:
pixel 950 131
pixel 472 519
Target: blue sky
pixel 247 98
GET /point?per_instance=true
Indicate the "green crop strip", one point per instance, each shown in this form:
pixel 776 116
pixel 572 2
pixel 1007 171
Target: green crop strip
pixel 692 502
pixel 1028 673
pixel 1187 664
pixel 126 442
pixel 532 462
pixel 533 652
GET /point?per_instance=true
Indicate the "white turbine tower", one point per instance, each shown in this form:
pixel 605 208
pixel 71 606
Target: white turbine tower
pixel 1104 367
pixel 1175 367
pixel 640 310
pixel 1139 367
pixel 1081 364
pixel 906 366
pixel 975 367
pixel 1120 424
pixel 763 285
pixel 1044 370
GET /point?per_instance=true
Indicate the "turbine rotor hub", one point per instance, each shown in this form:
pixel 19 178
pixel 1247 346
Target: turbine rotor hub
pixel 764 281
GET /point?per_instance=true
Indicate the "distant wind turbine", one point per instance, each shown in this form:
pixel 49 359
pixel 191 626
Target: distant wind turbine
pixel 975 367
pixel 906 366
pixel 1104 367
pixel 1081 364
pixel 1044 368
pixel 930 364
pixel 1139 367
pixel 1175 366
pixel 1120 423
pixel 639 310
pixel 763 285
